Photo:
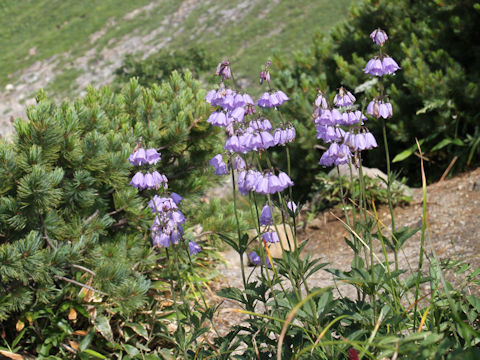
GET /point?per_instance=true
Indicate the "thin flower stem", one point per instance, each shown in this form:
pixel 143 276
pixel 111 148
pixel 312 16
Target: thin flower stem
pixel 192 268
pixel 389 192
pixel 235 209
pixel 363 209
pixel 174 298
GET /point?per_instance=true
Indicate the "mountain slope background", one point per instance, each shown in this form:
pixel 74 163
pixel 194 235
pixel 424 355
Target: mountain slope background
pixel 63 46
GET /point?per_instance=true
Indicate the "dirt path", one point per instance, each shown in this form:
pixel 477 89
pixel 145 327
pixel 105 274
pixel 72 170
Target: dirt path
pixel 453 213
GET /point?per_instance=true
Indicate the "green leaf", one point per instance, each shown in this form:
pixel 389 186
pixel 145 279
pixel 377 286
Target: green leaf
pixel 103 326
pixel 131 350
pixel 406 153
pixel 139 329
pixel 94 354
pixel 85 343
pixel 446 142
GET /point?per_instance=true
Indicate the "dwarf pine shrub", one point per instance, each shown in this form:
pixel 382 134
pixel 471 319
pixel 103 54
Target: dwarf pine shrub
pixel 74 235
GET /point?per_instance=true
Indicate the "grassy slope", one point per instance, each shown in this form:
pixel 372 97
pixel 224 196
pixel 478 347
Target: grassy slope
pixel 246 32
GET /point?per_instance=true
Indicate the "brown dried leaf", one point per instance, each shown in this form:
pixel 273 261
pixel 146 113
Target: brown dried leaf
pixel 11 355
pixel 72 314
pixel 74 345
pixel 20 325
pixel 80 332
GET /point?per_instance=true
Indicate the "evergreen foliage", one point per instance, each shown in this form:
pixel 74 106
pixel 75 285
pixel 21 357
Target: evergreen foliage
pixel 159 66
pixel 73 232
pixel 435 93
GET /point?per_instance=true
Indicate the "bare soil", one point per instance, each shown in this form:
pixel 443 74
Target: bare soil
pixel 453 232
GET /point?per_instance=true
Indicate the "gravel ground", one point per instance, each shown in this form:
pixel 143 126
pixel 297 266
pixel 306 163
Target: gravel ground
pixel 453 233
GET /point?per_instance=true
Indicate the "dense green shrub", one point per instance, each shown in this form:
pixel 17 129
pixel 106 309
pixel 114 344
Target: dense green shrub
pixel 158 67
pixel 434 96
pixel 68 215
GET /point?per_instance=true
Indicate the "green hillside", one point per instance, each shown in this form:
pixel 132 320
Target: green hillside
pixel 99 33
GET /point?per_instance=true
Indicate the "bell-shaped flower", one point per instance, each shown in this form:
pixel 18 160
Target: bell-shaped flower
pixel 266 216
pixel 379 36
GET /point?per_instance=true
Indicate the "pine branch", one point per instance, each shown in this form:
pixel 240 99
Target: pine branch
pixel 80 267
pixel 91 217
pixel 79 284
pixel 45 234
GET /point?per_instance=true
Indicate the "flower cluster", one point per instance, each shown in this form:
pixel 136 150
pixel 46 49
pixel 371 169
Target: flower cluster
pixel 148 180
pixel 248 131
pixel 382 64
pixel 167 225
pixel 329 123
pixel 262 183
pixel 249 135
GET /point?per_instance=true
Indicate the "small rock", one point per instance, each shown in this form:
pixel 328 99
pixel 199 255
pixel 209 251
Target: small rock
pixel 9 87
pixel 316 224
pixel 371 173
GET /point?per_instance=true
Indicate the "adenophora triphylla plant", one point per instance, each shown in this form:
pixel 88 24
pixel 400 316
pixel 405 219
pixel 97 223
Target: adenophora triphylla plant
pixel 250 133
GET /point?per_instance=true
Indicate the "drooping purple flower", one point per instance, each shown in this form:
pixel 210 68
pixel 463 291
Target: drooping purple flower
pixel 264 101
pixel 374 67
pixel 343 155
pixel 271 237
pixel 161 204
pixel 139 157
pixel 236 115
pixel 279 136
pixel 329 133
pixel 223 70
pixel 266 216
pixel 233 144
pixel 292 206
pixel 269 100
pixel 160 239
pixel 389 65
pixel 281 96
pixel 370 141
pixel 260 124
pixel 321 101
pixel 247 180
pixel 152 156
pixel 238 163
pixel 149 183
pixel 218 118
pixel 285 180
pixel 274 184
pixel 337 117
pixel 379 109
pixel 176 198
pixel 343 98
pixel 261 185
pixel 255 258
pixel 336 155
pixel 194 248
pixel 379 36
pixel 219 165
pixel 291 134
pixel 138 181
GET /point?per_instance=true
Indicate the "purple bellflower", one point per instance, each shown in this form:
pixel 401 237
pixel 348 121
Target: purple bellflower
pixel 194 248
pixel 266 216
pixel 219 165
pixel 379 36
pixel 344 98
pixel 271 237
